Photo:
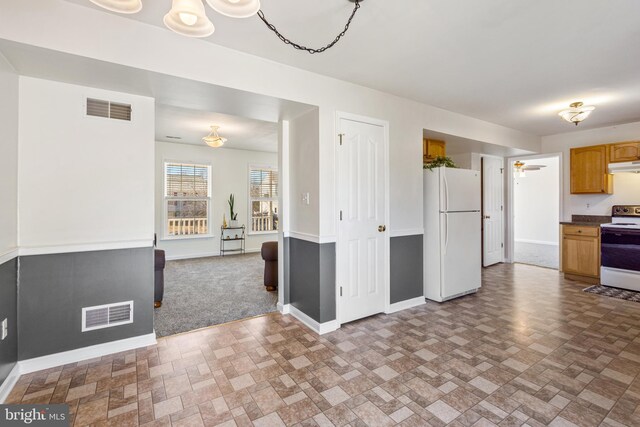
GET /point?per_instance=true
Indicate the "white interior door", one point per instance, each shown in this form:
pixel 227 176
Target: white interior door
pixel 492 207
pixel 362 236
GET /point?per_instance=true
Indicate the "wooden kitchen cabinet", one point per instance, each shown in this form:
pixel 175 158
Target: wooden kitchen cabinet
pixel 589 170
pixel 624 152
pixel 581 253
pixel 432 148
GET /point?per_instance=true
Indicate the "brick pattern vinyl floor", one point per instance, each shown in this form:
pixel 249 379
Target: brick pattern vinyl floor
pixel 528 349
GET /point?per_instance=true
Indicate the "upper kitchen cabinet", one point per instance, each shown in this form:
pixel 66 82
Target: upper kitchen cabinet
pixel 589 171
pixel 624 152
pixel 432 148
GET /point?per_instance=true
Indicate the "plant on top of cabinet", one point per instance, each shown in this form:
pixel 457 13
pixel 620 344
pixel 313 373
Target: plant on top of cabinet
pixel 439 161
pixel 589 170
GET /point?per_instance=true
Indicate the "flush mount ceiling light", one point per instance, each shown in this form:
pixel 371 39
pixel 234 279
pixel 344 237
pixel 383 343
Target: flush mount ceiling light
pixel 577 113
pixel 120 6
pixel 214 140
pixel 188 17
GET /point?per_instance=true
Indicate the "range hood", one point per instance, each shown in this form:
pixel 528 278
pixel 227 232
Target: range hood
pixel 626 167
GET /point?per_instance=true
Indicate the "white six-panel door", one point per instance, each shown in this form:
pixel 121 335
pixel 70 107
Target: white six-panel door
pixel 362 235
pixel 492 205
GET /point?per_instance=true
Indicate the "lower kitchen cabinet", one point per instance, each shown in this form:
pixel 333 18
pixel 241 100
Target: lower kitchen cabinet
pixel 581 252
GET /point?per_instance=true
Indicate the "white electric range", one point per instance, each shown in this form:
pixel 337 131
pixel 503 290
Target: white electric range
pixel 620 249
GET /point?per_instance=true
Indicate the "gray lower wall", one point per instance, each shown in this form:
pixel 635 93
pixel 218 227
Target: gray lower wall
pixel 54 288
pixel 312 279
pixel 406 272
pixel 9 311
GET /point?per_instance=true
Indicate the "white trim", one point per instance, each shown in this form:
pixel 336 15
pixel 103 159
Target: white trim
pixel 318 328
pixel 537 242
pixel 314 238
pixel 284 308
pixel 206 254
pixel 188 237
pixel 8 255
pixel 403 305
pixel 407 232
pixel 85 247
pixel 80 354
pixel 509 214
pixel 9 383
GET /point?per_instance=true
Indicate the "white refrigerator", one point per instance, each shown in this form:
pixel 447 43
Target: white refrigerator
pixel 452 238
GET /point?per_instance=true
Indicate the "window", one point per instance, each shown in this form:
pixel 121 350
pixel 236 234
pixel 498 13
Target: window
pixel 187 199
pixel 263 199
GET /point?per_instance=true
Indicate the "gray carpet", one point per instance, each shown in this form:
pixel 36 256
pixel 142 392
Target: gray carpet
pixel 209 291
pixel 534 254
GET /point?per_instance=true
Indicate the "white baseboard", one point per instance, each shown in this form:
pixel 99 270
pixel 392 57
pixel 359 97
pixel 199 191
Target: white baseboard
pixel 284 309
pixel 205 255
pixel 8 255
pixel 73 356
pixel 9 383
pixel 403 305
pixel 318 328
pixel 536 242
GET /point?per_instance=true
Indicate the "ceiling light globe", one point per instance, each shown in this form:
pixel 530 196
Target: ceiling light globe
pixel 188 18
pixel 120 6
pixel 235 8
pixel 577 113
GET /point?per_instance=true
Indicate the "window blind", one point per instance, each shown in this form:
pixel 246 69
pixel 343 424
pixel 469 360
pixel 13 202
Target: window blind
pixel 187 180
pixel 264 183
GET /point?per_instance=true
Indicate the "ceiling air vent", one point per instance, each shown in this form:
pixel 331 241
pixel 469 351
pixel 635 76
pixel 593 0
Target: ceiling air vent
pixel 108 110
pixel 106 316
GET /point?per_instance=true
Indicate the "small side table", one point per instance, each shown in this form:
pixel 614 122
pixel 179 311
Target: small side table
pixel 232 234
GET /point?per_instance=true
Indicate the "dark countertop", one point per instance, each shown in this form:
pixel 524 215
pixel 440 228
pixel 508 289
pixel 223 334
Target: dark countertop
pixel 587 220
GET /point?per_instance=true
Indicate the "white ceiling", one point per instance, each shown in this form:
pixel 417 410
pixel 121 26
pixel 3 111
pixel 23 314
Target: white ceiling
pixel 191 125
pixel 509 62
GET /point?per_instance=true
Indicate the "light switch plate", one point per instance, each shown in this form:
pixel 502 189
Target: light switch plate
pixel 5 328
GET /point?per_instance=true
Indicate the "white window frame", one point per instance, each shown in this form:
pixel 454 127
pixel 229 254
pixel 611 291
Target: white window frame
pixel 165 203
pixel 250 199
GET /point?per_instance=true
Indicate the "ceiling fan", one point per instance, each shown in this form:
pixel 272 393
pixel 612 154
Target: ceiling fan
pixel 520 168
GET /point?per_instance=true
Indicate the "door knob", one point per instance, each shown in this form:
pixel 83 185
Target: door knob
pixel 382 228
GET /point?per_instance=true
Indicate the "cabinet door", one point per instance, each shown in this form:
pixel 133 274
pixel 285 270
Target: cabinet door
pixel 433 148
pixel 624 151
pixel 581 255
pixel 589 173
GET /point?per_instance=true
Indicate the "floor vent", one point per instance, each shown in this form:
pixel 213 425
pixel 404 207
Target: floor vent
pixel 108 110
pixel 106 316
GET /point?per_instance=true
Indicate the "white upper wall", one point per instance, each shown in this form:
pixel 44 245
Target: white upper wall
pixel 71 28
pixel 229 175
pixel 626 187
pixel 8 157
pixel 83 180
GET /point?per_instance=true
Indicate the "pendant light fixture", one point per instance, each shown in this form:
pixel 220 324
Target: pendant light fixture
pixel 120 6
pixel 214 140
pixel 235 8
pixel 577 113
pixel 188 18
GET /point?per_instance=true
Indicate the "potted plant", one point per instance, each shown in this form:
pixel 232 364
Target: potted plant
pixel 233 216
pixel 440 161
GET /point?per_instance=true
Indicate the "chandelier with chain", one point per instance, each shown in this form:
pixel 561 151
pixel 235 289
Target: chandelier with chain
pixel 189 18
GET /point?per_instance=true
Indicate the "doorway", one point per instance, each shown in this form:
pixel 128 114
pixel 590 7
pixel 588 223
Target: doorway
pixel 362 247
pixel 535 206
pixel 492 210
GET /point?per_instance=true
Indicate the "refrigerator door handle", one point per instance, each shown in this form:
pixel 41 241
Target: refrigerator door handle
pixel 446 193
pixel 446 233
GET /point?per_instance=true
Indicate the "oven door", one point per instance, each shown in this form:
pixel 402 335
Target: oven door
pixel 620 249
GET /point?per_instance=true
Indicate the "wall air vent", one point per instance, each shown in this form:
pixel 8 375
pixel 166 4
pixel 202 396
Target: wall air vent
pixel 106 316
pixel 108 110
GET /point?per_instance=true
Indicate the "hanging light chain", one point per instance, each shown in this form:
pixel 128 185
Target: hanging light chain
pixel 308 49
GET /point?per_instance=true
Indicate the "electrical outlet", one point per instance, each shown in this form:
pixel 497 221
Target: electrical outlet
pixel 5 329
